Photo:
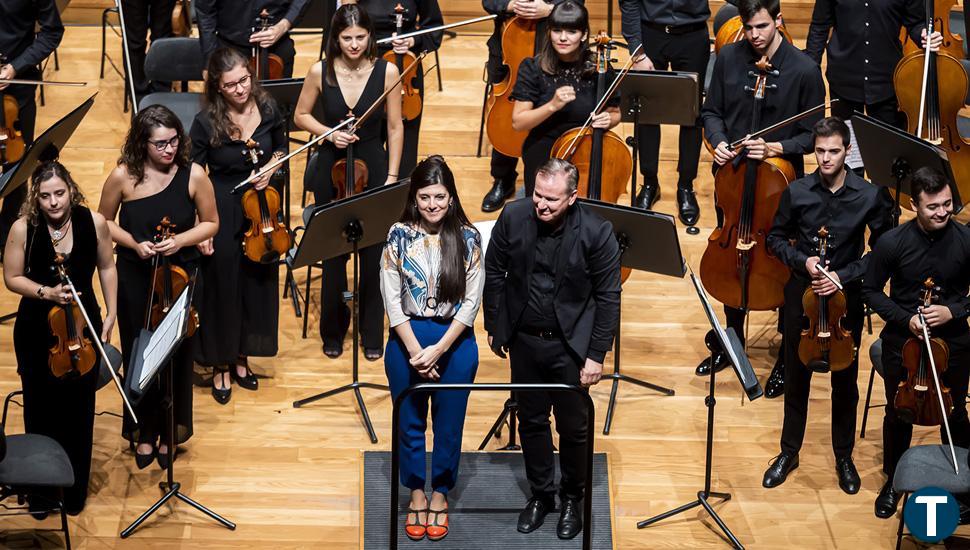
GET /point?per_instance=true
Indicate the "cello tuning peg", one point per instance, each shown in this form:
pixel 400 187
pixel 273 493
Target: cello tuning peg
pixel 748 89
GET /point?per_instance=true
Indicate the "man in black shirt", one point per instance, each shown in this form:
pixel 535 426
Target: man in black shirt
pixel 930 246
pixel 552 301
pixel 140 16
pixel 235 23
pixel 844 204
pixel 673 34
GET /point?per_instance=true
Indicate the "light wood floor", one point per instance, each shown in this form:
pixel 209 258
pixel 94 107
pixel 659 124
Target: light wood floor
pixel 290 478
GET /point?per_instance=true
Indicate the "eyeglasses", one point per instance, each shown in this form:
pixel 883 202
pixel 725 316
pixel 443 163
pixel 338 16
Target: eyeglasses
pixel 230 86
pixel 161 145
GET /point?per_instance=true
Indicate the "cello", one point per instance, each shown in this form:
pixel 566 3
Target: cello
pixel 182 18
pixel 952 43
pixel 267 237
pixel 825 345
pixel 411 102
pixel 168 282
pixel 267 66
pixel 518 43
pixel 73 354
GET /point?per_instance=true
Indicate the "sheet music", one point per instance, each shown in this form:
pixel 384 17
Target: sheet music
pixel 854 158
pixel 163 339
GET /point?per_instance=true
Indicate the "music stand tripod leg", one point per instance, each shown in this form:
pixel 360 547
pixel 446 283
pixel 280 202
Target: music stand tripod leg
pixel 506 416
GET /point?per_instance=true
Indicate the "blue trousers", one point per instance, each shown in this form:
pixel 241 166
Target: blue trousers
pixel 456 366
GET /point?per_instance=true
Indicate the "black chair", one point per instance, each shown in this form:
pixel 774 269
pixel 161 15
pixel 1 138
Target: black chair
pixel 875 356
pixel 29 462
pixel 175 60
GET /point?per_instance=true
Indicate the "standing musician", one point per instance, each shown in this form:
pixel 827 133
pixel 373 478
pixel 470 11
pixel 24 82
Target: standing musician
pixel 140 17
pixel 552 302
pixel 54 221
pixel 231 23
pixel 555 91
pixel 30 30
pixel 353 75
pixel 931 245
pixel 673 35
pixel 503 166
pixel 727 111
pixel 155 179
pixel 844 204
pixel 241 302
pixel 418 14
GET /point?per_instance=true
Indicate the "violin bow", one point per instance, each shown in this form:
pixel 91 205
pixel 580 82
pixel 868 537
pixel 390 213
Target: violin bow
pixel 370 110
pixel 40 82
pixel 926 69
pixel 124 43
pixel 390 39
pixel 939 388
pixel 735 145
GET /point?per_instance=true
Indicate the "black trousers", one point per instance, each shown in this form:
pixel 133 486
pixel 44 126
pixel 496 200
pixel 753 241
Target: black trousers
pixel 284 48
pixel 537 361
pixel 27 105
pixel 502 166
pixel 140 17
pixel 798 377
pixel 684 52
pixel 335 316
pixel 896 434
pixel 886 111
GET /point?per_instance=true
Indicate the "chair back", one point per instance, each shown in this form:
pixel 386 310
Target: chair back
pixel 176 59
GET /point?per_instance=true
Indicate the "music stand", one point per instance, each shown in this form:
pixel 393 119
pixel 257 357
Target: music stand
pixel 718 340
pixel 344 227
pixel 657 97
pixel 890 156
pixel 152 352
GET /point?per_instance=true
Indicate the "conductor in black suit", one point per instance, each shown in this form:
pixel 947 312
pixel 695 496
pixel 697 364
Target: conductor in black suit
pixel 552 302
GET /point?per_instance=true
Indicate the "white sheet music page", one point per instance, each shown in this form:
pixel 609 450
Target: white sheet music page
pixel 163 339
pixel 854 159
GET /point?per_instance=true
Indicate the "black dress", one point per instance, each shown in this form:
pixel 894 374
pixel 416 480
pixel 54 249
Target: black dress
pixel 61 408
pixel 239 313
pixel 140 217
pixel 334 314
pixel 423 13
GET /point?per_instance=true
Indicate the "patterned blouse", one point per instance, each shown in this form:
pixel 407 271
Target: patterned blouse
pixel 410 268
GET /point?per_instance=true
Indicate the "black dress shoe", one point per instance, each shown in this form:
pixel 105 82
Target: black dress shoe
pixel 534 513
pixel 373 354
pixel 221 396
pixel 777 473
pixel 848 476
pixel 775 385
pixel 648 195
pixel 887 501
pixel 142 461
pixel 333 351
pixel 570 520
pixel 687 209
pixel 496 196
pixel 704 369
pixel 248 382
pixel 163 462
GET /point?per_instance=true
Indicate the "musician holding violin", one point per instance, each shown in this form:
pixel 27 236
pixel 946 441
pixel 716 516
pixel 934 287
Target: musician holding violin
pixel 158 192
pixel 239 130
pixel 927 263
pixel 56 232
pixel 353 74
pixel 821 225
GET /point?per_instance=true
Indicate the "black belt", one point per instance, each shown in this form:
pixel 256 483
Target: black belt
pixel 545 334
pixel 676 29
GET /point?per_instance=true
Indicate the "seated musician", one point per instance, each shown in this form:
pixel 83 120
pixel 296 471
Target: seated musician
pixel 844 204
pixel 727 115
pixel 930 246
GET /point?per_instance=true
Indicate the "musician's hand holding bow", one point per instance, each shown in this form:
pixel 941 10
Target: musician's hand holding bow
pixel 169 246
pixel 402 46
pixel 936 40
pixel 937 315
pixel 723 154
pixel 7 72
pixel 644 63
pixel 342 139
pixel 602 121
pixel 821 285
pixel 759 149
pixel 271 35
pixel 591 373
pixel 145 249
pixel 60 294
pixel 261 182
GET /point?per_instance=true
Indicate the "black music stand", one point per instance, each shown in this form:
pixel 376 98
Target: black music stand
pixel 657 97
pixel 161 345
pixel 890 156
pixel 344 227
pixel 718 341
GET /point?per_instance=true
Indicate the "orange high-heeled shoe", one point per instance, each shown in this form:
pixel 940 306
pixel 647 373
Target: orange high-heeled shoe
pixel 416 530
pixel 435 530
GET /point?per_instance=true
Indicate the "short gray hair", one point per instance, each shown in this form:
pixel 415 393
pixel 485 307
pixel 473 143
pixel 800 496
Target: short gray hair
pixel 555 167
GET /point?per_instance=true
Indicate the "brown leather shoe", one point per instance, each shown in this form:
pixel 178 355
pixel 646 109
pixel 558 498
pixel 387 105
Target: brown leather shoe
pixel 436 529
pixel 417 529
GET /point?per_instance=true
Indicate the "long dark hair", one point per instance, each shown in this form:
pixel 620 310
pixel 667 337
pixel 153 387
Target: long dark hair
pixel 134 153
pixel 348 15
pixel 570 16
pixel 222 61
pixel 451 281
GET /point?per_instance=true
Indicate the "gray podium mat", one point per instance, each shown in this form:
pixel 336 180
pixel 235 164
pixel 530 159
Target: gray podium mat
pixel 485 506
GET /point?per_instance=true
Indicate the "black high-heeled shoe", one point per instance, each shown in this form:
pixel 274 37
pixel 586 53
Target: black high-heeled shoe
pixel 142 461
pixel 223 395
pixel 248 382
pixel 163 462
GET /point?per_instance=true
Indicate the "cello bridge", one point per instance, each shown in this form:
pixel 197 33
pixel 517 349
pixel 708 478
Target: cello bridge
pixel 746 245
pixel 825 334
pixel 920 387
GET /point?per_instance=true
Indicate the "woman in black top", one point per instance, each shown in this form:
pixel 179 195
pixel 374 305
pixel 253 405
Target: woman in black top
pixel 555 91
pixel 54 220
pixel 155 179
pixel 356 77
pixel 423 14
pixel 241 303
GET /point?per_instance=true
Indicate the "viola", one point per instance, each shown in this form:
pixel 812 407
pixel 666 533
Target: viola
pixel 267 237
pixel 411 102
pixel 182 18
pixel 267 66
pixel 518 43
pixel 12 144
pixel 73 355
pixel 168 282
pixel 825 345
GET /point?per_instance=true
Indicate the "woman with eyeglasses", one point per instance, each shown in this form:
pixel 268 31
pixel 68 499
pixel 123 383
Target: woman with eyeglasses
pixel 154 180
pixel 241 302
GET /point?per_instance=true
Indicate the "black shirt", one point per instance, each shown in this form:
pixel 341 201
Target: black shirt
pixel 234 20
pixel 864 47
pixel 661 12
pixel 418 14
pixel 806 206
pixel 22 47
pixel 727 109
pixel 539 313
pixel 908 255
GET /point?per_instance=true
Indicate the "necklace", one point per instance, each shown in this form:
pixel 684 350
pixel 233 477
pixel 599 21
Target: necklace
pixel 59 233
pixel 350 70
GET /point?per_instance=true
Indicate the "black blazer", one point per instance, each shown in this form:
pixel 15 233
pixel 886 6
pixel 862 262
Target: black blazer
pixel 587 294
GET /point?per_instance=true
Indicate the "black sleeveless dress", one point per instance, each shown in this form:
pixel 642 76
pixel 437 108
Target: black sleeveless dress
pixel 140 218
pixel 62 409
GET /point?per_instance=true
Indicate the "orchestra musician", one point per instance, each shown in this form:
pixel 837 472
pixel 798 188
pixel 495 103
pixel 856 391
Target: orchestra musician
pixel 552 302
pixel 355 76
pixel 503 166
pixel 241 301
pixel 844 204
pixel 54 220
pixel 140 17
pixel 155 179
pixel 931 245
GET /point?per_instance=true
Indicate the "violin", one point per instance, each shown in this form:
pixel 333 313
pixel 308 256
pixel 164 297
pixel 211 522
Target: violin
pixel 737 268
pixel 12 144
pixel 732 31
pixel 518 43
pixel 411 102
pixel 168 282
pixel 921 399
pixel 825 345
pixel 73 354
pixel 267 237
pixel 182 18
pixel 267 66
